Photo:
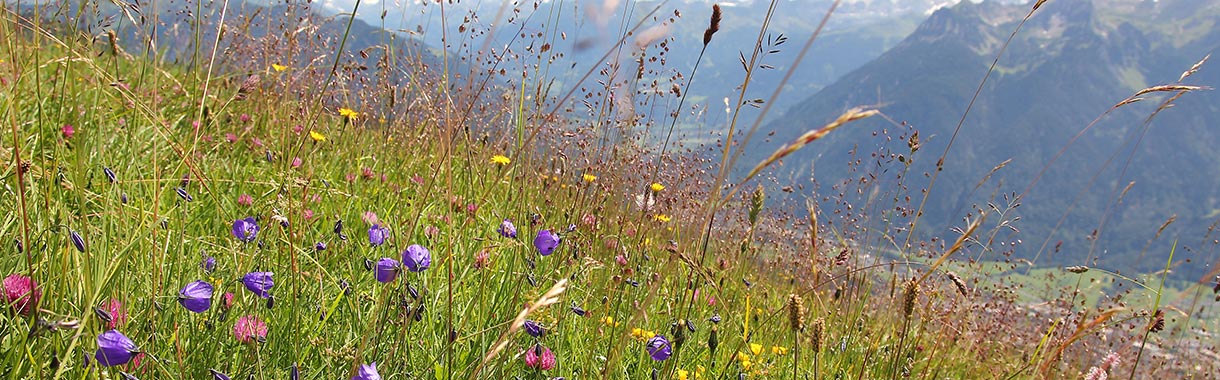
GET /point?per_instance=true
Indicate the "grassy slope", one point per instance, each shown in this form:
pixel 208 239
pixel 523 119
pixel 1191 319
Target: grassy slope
pixel 431 185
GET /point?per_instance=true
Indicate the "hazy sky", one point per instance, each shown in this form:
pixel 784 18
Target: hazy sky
pixel 374 7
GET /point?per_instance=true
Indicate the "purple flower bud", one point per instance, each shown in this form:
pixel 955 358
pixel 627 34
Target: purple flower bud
pixel 245 230
pixel 416 258
pixel 534 329
pixel 346 287
pixel 110 174
pixel 339 227
pixel 77 241
pixel 114 348
pixel 377 235
pixel 259 283
pixel 208 264
pixel 387 270
pixel 183 194
pixel 367 372
pixel 196 296
pixel 659 348
pixel 217 375
pixel 103 315
pixel 295 374
pixel 546 242
pixel 320 246
pixel 507 229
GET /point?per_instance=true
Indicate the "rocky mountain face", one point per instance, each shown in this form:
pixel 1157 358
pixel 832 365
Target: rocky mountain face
pixel 1070 63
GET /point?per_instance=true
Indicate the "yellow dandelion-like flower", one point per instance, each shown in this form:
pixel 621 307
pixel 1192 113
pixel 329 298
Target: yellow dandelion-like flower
pixel 683 374
pixel 779 350
pixel 349 113
pixel 661 218
pixel 500 160
pixel 589 177
pixel 756 348
pixel 656 187
pixel 278 67
pixel 317 136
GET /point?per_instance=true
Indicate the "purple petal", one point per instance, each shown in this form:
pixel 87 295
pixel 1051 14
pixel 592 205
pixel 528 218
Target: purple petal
pixel 114 348
pixel 367 372
pixel 387 270
pixel 196 296
pixel 259 283
pixel 416 258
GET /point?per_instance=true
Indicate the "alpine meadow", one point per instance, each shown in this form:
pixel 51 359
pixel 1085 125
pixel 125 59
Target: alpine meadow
pixel 664 189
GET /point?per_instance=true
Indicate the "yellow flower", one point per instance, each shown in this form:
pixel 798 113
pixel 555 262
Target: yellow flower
pixel 278 67
pixel 349 113
pixel 589 177
pixel 609 321
pixel 500 160
pixel 779 350
pixel 642 334
pixel 661 218
pixel 744 359
pixel 316 136
pixel 656 187
pixel 756 348
pixel 682 374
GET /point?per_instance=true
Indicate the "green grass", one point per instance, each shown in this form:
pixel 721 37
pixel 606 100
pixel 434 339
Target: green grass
pixel 432 184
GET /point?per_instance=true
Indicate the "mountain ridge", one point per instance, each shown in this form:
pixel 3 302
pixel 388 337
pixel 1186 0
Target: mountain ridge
pixel 1070 64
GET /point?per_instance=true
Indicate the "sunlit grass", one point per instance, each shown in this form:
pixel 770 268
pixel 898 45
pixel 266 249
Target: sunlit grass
pixel 611 252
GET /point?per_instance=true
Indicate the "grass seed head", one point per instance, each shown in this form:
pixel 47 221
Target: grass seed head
pixel 908 300
pixel 713 26
pixel 819 332
pixel 796 312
